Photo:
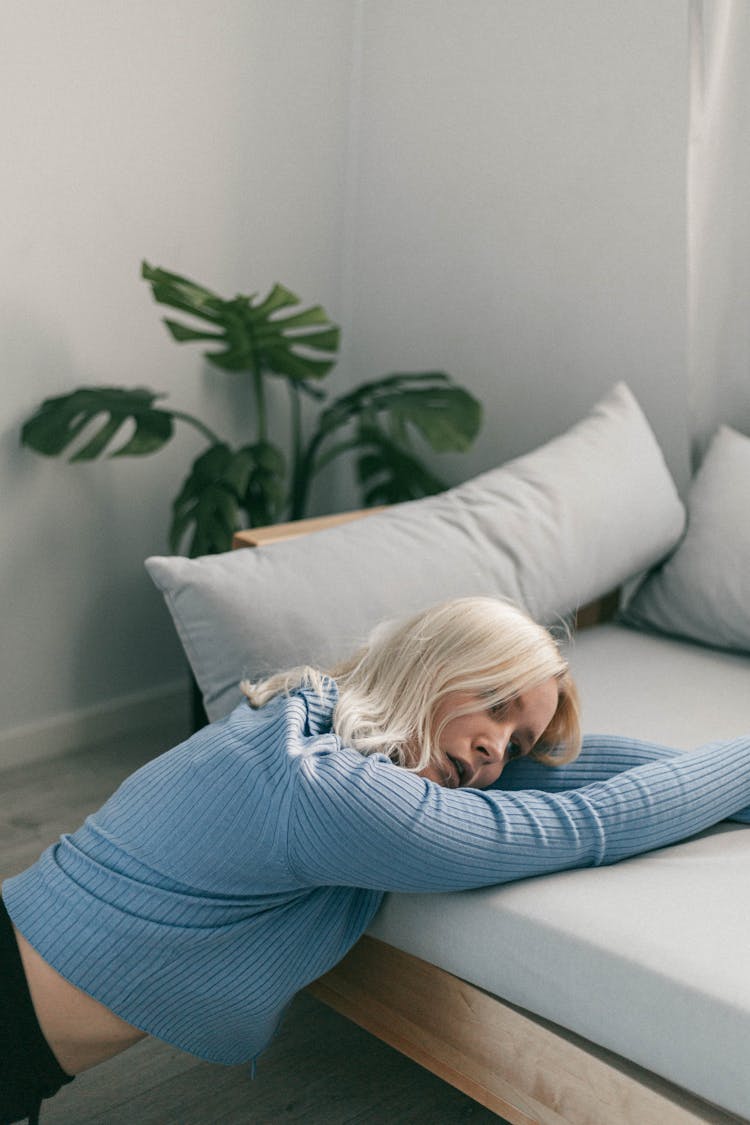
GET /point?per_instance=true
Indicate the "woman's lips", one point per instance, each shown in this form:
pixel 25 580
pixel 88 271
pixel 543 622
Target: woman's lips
pixel 459 773
pixel 462 775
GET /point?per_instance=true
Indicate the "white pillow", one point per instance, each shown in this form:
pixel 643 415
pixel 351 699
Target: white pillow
pixel 551 530
pixel 703 590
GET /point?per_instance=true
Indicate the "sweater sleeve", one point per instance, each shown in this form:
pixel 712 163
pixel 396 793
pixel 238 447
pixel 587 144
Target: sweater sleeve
pixel 366 823
pixel 602 756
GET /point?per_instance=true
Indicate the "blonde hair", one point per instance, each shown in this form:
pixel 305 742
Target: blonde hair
pixel 390 690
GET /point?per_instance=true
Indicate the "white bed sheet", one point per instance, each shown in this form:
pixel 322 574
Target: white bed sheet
pixel 648 957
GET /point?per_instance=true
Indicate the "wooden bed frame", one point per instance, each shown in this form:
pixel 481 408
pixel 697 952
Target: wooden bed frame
pixel 521 1067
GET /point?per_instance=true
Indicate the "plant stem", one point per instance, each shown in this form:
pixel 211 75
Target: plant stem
pixel 260 403
pixel 336 451
pixel 299 481
pixel 207 433
pixel 309 467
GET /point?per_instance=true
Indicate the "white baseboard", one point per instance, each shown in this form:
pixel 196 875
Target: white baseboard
pixel 164 712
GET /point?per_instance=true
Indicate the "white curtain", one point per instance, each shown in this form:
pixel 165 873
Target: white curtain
pixel 719 217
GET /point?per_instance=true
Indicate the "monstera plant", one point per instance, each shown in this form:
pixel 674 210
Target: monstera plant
pixel 380 423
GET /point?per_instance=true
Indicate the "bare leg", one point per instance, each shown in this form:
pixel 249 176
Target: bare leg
pixel 80 1031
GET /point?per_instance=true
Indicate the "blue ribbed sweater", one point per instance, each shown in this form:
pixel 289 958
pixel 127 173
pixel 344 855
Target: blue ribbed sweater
pixel 231 871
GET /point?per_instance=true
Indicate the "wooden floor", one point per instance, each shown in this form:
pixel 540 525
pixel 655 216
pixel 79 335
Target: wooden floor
pixel 320 1069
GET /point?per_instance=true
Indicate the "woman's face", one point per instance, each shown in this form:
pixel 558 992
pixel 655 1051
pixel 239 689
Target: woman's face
pixel 474 748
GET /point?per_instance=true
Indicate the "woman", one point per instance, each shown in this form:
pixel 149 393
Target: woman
pixel 225 875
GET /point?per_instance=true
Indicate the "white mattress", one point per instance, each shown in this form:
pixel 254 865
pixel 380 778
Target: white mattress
pixel 648 957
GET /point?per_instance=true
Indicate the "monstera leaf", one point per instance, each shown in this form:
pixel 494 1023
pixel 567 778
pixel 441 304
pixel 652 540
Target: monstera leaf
pixel 444 414
pixel 388 473
pixel 252 336
pixel 388 413
pixel 220 484
pixel 60 421
pixel 265 490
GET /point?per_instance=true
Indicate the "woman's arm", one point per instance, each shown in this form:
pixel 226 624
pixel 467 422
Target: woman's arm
pixel 602 756
pixel 364 822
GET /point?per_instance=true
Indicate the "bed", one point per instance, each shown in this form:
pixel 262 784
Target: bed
pixel 610 995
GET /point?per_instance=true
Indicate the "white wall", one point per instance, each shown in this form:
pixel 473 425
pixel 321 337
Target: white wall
pixel 719 219
pixel 211 139
pixel 521 207
pixel 494 187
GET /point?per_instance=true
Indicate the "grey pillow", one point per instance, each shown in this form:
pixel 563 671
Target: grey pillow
pixel 703 590
pixel 552 530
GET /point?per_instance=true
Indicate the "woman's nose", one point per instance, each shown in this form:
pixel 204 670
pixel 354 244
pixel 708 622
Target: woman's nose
pixel 493 746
